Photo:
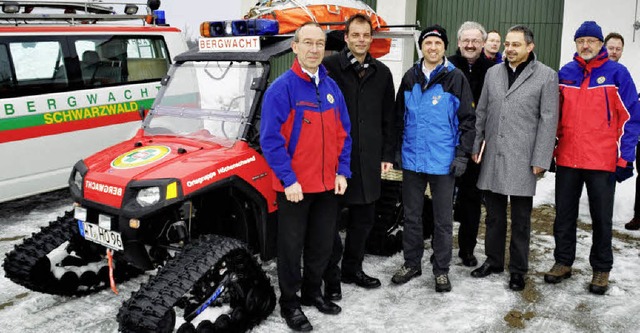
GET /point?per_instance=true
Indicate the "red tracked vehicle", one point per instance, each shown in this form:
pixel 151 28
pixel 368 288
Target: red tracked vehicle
pixel 189 194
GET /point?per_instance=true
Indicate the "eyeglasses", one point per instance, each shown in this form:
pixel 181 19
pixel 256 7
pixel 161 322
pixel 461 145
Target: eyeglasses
pixel 310 44
pixel 471 41
pixel 590 42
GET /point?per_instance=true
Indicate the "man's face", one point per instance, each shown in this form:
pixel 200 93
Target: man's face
pixel 588 47
pixel 470 43
pixel 516 48
pixel 433 50
pixel 359 38
pixel 493 43
pixel 615 48
pixel 310 47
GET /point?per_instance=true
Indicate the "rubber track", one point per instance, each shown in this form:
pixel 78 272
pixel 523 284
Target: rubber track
pixel 383 239
pixel 148 307
pixel 20 264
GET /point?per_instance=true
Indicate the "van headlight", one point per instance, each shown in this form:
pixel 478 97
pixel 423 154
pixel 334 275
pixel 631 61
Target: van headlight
pixel 148 196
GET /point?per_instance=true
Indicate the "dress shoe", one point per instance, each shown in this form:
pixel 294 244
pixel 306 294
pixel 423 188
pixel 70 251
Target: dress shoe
pixel 485 270
pixel 634 224
pixel 468 259
pixel 323 305
pixel 296 320
pixel 361 280
pixel 516 282
pixel 332 292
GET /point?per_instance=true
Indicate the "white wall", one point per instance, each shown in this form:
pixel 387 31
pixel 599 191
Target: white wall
pixel 399 12
pixel 611 15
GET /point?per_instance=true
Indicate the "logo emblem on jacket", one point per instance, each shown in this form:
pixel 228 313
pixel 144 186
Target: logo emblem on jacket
pixel 330 98
pixel 435 99
pixel 601 80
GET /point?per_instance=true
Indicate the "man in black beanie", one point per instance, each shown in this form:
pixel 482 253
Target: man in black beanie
pixel 435 129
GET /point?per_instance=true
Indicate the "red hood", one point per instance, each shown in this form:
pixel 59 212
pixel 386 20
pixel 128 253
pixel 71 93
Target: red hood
pixel 195 163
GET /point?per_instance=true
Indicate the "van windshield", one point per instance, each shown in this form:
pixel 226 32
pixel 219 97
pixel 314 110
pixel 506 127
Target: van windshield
pixel 207 100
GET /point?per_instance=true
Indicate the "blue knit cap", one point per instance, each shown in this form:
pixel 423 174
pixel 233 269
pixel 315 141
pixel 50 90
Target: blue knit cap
pixel 589 29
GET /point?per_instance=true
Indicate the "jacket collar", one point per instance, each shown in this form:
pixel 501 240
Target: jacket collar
pixel 528 67
pixel 437 72
pixel 297 69
pixel 344 59
pixel 596 62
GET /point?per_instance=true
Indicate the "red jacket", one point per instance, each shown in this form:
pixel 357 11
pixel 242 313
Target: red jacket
pixel 304 131
pixel 599 119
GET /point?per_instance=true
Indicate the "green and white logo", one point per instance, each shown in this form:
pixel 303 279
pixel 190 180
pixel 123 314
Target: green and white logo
pixel 140 156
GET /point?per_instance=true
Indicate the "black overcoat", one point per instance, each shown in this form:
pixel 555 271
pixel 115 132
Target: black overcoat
pixel 370 102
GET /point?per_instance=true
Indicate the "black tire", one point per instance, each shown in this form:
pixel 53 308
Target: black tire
pixel 28 265
pixel 187 280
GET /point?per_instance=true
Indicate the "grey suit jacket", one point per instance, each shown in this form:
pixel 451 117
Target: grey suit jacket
pixel 518 125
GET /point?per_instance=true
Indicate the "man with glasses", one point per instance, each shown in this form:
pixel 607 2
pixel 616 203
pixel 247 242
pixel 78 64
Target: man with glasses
pixel 469 59
pixel 305 140
pixel 597 133
pixel 516 122
pixel 368 88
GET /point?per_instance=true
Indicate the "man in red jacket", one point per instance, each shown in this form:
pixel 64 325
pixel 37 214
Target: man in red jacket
pixel 597 133
pixel 305 140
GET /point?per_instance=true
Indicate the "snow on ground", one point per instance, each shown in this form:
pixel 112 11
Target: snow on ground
pixel 474 305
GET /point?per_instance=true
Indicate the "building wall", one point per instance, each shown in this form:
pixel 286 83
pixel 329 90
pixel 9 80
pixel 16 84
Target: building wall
pixel 616 15
pixel 544 17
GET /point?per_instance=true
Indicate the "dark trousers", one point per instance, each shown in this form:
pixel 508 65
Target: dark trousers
pixel 308 225
pixel 361 220
pixel 467 209
pixel 414 185
pixel 496 236
pixel 600 189
pixel 636 205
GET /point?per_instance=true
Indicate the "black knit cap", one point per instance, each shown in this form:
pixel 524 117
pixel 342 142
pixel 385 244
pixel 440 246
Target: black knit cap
pixel 434 30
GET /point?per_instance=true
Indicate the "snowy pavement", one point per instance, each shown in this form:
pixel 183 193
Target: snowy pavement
pixel 474 305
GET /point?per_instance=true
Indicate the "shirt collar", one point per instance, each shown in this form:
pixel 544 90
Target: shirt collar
pixel 315 76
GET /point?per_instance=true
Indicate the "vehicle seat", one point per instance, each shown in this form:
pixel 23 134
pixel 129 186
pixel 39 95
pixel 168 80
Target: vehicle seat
pixel 89 65
pixel 96 71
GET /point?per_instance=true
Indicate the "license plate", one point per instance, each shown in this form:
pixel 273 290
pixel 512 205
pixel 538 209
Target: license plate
pixel 94 233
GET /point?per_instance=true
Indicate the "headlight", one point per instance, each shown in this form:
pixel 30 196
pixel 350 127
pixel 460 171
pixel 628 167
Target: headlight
pixel 77 179
pixel 148 196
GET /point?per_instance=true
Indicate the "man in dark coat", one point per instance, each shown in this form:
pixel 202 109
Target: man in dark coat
pixel 368 88
pixel 469 59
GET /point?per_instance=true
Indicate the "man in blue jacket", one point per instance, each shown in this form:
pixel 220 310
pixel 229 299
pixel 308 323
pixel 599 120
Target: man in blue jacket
pixel 305 140
pixel 435 123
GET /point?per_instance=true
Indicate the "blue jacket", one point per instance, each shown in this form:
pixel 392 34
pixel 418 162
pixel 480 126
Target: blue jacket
pixel 304 131
pixel 435 119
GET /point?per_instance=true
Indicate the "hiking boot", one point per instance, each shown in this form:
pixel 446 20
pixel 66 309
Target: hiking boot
pixel 557 273
pixel 634 224
pixel 404 274
pixel 599 283
pixel 442 283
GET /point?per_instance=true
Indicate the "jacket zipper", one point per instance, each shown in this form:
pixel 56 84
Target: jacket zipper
pixel 606 98
pixel 322 130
